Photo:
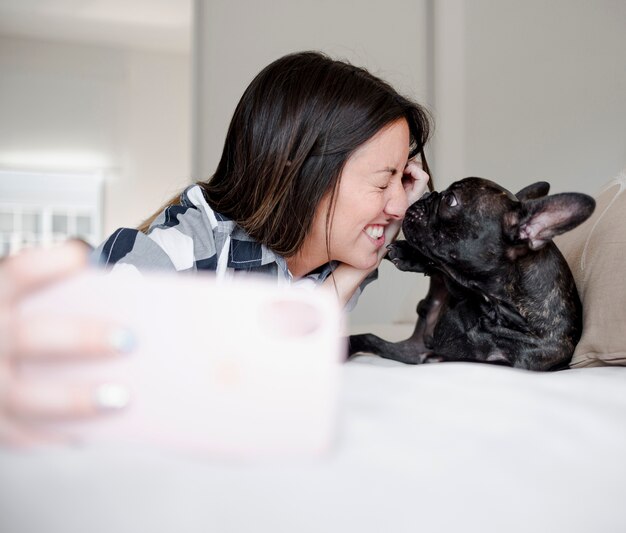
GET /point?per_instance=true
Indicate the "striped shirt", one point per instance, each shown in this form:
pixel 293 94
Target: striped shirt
pixel 191 237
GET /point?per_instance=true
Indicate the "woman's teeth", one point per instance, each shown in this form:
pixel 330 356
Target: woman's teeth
pixel 375 232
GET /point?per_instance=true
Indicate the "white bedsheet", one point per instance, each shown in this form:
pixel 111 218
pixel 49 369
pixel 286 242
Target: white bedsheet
pixel 444 447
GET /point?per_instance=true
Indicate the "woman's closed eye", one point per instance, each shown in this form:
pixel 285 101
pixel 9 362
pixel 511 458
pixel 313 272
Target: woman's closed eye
pixel 382 183
pixel 385 176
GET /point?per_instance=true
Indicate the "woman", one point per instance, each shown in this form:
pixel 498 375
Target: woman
pixel 320 163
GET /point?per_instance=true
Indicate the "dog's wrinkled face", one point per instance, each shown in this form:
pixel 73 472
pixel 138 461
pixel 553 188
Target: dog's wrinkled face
pixel 461 228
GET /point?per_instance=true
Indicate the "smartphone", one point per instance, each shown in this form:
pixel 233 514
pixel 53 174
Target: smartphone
pixel 219 368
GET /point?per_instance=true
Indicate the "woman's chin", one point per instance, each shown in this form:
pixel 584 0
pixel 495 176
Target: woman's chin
pixel 364 263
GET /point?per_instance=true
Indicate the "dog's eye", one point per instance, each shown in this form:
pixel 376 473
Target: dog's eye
pixel 451 200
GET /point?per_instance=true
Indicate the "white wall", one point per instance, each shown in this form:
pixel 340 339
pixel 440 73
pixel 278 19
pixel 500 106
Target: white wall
pixel 546 91
pixel 86 107
pixel 158 150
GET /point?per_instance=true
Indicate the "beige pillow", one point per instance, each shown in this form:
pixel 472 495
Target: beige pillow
pixel 596 253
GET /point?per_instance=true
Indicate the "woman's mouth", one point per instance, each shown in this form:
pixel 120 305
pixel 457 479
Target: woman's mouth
pixel 376 233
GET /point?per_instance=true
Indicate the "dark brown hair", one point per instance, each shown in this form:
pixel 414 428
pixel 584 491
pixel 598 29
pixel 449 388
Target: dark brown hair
pixel 290 136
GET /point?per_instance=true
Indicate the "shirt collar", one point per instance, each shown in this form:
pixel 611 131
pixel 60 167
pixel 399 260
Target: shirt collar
pixel 245 253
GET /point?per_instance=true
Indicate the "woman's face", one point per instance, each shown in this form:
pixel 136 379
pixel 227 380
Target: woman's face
pixel 370 196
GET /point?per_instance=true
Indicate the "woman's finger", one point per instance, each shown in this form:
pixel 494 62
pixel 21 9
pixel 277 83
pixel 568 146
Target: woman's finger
pixel 46 337
pixel 415 181
pixel 39 400
pixel 33 268
pixel 414 170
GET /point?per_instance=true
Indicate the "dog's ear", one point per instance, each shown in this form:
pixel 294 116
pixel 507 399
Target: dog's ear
pixel 539 220
pixel 536 190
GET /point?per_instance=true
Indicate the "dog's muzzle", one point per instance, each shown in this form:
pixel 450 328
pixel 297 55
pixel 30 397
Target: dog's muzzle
pixel 417 212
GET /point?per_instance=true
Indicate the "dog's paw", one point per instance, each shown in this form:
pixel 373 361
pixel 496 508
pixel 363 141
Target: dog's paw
pixel 393 252
pixel 402 255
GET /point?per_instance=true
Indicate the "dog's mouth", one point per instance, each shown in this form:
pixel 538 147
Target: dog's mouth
pixel 419 214
pixel 418 221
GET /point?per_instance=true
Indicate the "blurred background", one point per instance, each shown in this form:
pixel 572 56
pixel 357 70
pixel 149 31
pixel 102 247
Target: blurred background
pixel 109 107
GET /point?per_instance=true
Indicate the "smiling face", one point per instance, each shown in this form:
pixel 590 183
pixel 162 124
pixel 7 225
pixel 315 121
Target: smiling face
pixel 370 195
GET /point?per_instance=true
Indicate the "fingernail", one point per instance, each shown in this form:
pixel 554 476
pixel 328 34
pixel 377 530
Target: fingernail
pixel 122 340
pixel 111 397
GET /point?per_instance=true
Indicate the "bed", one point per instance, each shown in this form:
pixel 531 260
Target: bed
pixel 438 448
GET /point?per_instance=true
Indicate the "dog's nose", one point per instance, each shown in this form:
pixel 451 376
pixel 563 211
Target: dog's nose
pixel 425 195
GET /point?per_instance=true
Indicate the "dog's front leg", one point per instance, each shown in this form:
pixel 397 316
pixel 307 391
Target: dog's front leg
pixel 403 351
pixel 428 312
pixel 417 348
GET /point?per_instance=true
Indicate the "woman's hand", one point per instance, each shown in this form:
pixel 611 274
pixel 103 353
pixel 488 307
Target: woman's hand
pixel 415 180
pixel 25 403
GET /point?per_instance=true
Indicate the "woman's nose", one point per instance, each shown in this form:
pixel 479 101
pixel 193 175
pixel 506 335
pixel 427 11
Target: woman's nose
pixel 397 203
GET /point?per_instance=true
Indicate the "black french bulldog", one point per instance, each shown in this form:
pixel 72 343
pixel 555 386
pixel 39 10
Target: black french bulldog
pixel 500 290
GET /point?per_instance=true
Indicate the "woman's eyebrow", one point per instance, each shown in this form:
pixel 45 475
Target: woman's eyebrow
pixel 391 170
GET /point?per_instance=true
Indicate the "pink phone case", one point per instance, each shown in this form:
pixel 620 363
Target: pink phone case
pixel 212 373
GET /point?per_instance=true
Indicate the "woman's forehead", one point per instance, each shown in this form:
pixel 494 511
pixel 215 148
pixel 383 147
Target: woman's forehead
pixel 390 144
